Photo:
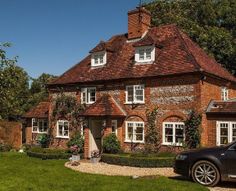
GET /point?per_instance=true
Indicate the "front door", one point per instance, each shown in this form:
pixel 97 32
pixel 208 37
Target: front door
pixel 95 135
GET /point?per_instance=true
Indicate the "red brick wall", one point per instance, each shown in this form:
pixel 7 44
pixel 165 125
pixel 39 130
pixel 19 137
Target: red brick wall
pixel 211 90
pixel 11 133
pixel 138 23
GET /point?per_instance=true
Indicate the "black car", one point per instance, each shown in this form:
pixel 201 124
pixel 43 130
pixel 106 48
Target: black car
pixel 208 166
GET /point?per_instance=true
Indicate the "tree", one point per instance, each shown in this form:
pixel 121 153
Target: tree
pixel 210 23
pixel 38 90
pixel 13 87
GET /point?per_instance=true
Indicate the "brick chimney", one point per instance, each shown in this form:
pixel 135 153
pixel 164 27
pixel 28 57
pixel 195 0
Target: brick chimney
pixel 139 21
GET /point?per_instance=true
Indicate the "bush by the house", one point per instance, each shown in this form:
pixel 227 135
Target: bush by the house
pixel 76 140
pixel 137 161
pixel 111 144
pixel 5 147
pixel 43 140
pixel 47 153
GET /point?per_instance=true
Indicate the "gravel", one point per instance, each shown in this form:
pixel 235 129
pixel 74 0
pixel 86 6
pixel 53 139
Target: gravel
pixel 135 172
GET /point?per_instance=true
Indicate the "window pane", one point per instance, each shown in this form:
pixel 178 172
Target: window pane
pixel 113 126
pixel 148 53
pixel 35 128
pixel 224 133
pixel 130 93
pixel 139 137
pixel 141 54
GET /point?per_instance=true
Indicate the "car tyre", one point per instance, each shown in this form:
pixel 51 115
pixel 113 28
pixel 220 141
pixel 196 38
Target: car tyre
pixel 205 173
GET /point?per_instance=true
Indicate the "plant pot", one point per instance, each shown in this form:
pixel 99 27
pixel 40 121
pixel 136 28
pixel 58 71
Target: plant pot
pixel 94 160
pixel 75 158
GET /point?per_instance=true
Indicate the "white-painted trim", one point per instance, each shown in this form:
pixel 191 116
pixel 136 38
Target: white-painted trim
pixel 102 53
pixel 145 60
pixel 174 134
pixel 87 95
pixel 134 94
pixel 60 136
pixel 134 128
pixel 115 122
pixel 38 120
pixel 230 131
pixel 224 93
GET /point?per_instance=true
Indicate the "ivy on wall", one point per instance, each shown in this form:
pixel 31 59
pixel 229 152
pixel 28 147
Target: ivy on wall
pixel 152 134
pixel 193 130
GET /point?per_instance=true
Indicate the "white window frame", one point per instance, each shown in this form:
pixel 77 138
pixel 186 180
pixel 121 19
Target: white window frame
pixel 62 136
pixel 134 133
pixel 174 143
pixel 134 94
pixel 224 93
pixel 230 131
pixel 144 48
pixel 86 92
pixel 115 126
pixel 43 122
pixel 103 54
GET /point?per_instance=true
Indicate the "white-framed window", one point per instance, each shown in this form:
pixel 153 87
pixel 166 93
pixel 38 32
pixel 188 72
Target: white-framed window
pixel 135 94
pixel 173 133
pixel 39 125
pixel 134 132
pixel 62 129
pixel 99 58
pixel 224 93
pixel 145 54
pixel 88 95
pixel 225 132
pixel 114 127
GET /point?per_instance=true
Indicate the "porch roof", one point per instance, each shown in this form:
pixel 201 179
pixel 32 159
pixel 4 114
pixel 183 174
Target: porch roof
pixel 222 107
pixel 39 111
pixel 105 106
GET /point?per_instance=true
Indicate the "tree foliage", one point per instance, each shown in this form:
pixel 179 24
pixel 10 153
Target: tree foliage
pixel 13 87
pixel 210 23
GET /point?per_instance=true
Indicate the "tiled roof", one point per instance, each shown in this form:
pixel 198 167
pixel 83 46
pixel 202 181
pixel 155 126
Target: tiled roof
pixel 175 53
pixel 222 107
pixel 39 111
pixel 105 106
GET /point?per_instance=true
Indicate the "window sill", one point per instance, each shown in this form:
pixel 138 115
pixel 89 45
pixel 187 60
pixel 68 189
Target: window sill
pixel 128 141
pixel 137 62
pixel 172 144
pixel 62 137
pixel 134 103
pixel 39 132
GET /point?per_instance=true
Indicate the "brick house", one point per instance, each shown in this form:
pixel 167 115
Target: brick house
pixel 146 68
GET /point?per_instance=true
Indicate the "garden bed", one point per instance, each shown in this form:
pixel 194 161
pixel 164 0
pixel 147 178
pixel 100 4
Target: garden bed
pixel 139 160
pixel 46 153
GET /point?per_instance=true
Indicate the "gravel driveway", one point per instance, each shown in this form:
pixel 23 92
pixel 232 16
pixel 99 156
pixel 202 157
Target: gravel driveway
pixel 115 170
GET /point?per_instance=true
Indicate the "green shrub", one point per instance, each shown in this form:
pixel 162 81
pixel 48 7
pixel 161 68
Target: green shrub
pixel 76 140
pixel 137 161
pixel 47 153
pixel 5 147
pixel 111 144
pixel 153 155
pixel 43 140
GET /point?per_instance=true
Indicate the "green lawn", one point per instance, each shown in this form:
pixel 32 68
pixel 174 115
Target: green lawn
pixel 19 172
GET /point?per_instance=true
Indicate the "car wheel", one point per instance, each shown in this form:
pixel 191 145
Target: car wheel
pixel 205 173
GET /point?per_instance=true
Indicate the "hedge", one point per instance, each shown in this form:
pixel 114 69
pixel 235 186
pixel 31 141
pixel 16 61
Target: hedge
pixel 137 161
pixel 48 153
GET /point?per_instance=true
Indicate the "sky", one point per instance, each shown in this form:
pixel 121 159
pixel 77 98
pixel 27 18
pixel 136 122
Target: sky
pixel 50 36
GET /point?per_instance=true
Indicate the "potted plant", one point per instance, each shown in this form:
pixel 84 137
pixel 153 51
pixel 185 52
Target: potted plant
pixel 75 153
pixel 95 156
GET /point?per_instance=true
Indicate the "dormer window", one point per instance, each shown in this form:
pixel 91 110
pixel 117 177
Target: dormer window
pixel 145 54
pixel 98 58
